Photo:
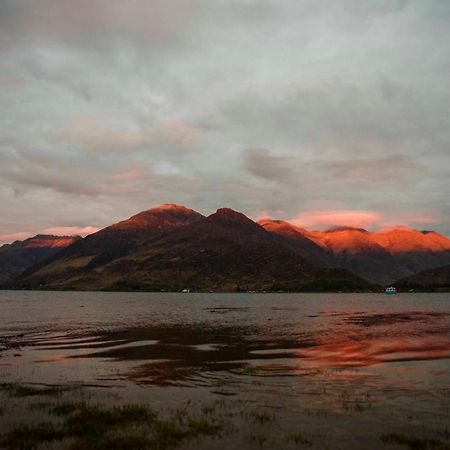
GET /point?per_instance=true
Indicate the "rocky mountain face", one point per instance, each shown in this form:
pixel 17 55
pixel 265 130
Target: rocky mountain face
pixel 381 257
pixel 299 241
pixel 17 257
pixel 110 243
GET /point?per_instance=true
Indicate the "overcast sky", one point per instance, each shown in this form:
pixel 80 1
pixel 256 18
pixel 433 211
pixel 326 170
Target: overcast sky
pixel 319 111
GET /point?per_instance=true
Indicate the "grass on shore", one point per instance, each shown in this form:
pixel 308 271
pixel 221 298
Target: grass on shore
pixel 72 419
pixel 89 426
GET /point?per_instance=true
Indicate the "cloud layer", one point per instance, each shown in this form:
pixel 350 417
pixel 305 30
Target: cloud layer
pixel 295 108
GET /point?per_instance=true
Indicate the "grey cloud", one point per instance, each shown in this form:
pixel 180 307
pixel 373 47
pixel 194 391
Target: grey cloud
pixel 258 105
pixel 262 164
pixel 385 172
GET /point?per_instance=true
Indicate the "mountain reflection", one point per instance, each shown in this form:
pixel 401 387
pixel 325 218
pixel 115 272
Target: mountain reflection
pixel 214 348
pixel 367 352
pixel 192 354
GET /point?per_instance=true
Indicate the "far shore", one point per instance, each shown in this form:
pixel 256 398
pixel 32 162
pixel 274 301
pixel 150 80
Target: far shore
pixel 195 291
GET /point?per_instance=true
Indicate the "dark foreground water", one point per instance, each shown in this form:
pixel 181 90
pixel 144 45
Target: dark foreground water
pixel 280 371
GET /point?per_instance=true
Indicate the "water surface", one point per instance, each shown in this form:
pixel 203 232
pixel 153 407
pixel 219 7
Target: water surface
pixel 340 368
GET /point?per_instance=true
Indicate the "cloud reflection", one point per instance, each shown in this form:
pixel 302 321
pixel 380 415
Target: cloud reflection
pixel 361 353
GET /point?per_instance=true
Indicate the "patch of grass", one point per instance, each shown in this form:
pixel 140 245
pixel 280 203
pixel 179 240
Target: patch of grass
pixel 203 427
pixel 127 427
pixel 262 417
pixel 112 443
pixel 93 420
pixel 87 423
pixel 414 443
pixel 299 439
pixel 260 440
pixel 21 390
pixel 208 409
pixel 26 438
pixel 65 409
pixel 169 433
pixel 43 406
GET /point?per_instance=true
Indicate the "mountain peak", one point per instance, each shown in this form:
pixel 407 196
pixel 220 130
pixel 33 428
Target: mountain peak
pixel 268 220
pixel 230 216
pixel 170 207
pixel 403 239
pixel 167 215
pixel 229 212
pixel 275 224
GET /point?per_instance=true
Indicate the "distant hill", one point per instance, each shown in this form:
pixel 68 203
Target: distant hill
pixel 17 257
pixel 415 250
pixel 437 279
pixel 381 257
pixel 356 250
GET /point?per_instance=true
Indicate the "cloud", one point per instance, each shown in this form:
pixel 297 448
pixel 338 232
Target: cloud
pixel 327 219
pixel 91 136
pixel 393 169
pixel 282 107
pixel 70 231
pixel 128 176
pixel 262 164
pixel 87 134
pixel 6 238
pixel 79 20
pixel 180 134
pixel 418 219
pixel 365 219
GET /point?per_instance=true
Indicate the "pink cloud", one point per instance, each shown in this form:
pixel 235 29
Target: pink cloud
pixel 87 133
pixel 260 215
pixel 179 133
pixel 365 219
pixel 157 20
pixel 421 218
pixel 69 231
pixel 128 176
pixel 327 219
pixel 7 238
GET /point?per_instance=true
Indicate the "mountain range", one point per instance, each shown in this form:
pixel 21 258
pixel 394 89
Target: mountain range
pixel 380 257
pixel 171 247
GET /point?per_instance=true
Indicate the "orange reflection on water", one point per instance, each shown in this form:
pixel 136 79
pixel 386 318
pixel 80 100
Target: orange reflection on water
pixel 361 353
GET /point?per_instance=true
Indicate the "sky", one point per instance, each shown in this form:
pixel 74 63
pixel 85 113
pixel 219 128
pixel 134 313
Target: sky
pixel 321 112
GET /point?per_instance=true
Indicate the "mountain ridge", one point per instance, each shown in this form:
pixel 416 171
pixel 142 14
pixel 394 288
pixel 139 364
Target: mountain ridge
pixel 381 256
pixel 224 251
pixel 170 246
pixel 17 257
